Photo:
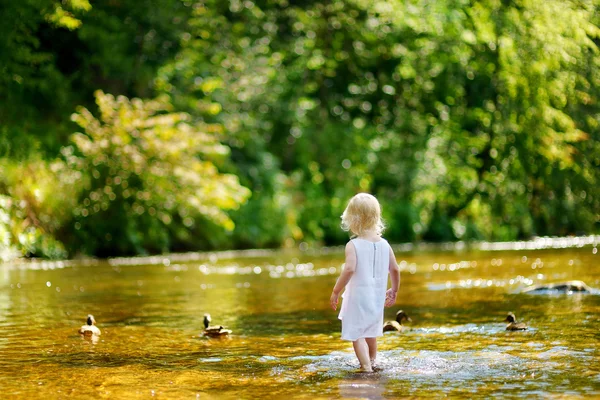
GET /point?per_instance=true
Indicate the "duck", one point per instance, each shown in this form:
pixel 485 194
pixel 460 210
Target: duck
pixel 397 324
pixel 214 331
pixel 560 287
pixel 90 329
pixel 513 325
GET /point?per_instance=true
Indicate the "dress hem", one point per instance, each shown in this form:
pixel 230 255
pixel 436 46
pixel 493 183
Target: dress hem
pixel 363 337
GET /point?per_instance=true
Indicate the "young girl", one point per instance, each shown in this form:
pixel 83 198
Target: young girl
pixel 369 259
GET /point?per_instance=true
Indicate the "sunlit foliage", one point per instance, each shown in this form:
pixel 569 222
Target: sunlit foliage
pixel 458 114
pixel 36 201
pixel 469 119
pixel 148 172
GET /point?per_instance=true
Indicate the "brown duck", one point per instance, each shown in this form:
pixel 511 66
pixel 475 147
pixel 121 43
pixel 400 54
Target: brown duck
pixel 214 331
pixel 513 325
pixel 397 324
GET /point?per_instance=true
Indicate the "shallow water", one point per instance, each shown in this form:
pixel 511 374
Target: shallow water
pixel 286 341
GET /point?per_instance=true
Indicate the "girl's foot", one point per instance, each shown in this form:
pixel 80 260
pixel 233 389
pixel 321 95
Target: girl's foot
pixel 375 366
pixel 366 369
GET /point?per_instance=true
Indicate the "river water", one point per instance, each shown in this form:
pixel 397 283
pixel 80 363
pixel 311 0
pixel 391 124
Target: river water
pixel 286 340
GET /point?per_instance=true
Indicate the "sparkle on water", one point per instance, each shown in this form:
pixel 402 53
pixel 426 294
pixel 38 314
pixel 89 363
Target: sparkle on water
pixel 286 341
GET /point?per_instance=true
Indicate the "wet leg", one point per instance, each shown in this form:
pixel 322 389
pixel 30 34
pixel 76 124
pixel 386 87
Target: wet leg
pixel 372 344
pixel 362 353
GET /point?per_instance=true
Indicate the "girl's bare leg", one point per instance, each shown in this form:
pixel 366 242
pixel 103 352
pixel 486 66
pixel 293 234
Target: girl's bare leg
pixel 362 353
pixel 372 344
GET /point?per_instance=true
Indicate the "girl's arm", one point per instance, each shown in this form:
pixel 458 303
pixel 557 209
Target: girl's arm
pixel 347 272
pixel 390 296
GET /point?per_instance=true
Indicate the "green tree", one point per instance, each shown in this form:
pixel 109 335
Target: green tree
pixel 469 120
pixel 460 114
pixel 55 54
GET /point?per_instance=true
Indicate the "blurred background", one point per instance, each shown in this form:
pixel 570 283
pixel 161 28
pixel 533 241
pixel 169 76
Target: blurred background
pixel 138 126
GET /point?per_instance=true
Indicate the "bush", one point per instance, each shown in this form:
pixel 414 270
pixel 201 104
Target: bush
pixel 148 174
pixel 35 204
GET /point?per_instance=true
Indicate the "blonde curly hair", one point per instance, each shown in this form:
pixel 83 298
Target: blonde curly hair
pixel 363 214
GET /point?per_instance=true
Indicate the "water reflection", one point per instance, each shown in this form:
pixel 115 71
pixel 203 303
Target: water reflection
pixel 370 386
pixel 91 339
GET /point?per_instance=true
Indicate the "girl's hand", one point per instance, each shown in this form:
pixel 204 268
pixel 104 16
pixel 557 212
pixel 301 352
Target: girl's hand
pixel 390 298
pixel 334 300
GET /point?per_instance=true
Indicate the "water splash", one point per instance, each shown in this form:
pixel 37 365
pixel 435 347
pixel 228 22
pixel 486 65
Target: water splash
pixel 429 365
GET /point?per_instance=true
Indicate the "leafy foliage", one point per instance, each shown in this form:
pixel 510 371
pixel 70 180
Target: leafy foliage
pixel 35 204
pixel 468 119
pixel 458 114
pixel 144 176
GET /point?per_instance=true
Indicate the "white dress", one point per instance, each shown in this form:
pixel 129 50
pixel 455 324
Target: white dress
pixel 364 298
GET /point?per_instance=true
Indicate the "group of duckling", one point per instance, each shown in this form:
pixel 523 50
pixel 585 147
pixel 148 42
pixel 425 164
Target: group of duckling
pixel 391 326
pixel 568 287
pixel 91 331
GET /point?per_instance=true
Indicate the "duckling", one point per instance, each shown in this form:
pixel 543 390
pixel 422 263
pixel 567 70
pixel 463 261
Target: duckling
pixel 214 331
pixel 89 329
pixel 397 324
pixel 560 287
pixel 513 325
